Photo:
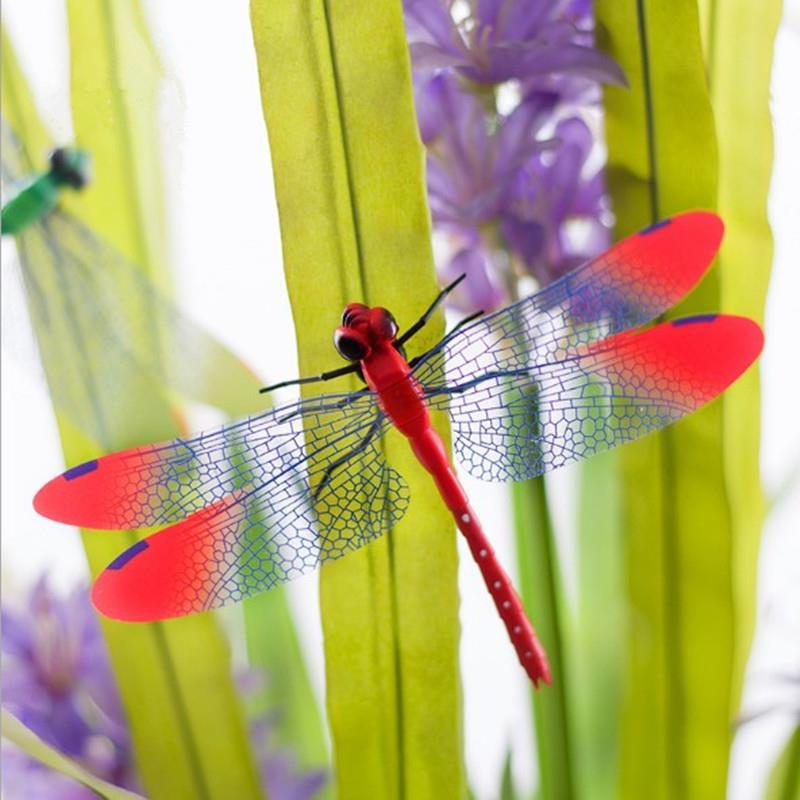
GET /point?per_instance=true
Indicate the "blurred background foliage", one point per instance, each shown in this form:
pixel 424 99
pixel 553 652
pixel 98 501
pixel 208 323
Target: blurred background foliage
pixel 519 137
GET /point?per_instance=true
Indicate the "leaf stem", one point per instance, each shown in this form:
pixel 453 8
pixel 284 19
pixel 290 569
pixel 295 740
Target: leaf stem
pixel 540 585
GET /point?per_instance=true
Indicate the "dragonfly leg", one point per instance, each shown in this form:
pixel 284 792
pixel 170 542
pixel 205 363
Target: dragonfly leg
pixel 325 376
pixel 359 448
pixel 450 334
pixel 422 321
pixel 307 409
pixel 463 387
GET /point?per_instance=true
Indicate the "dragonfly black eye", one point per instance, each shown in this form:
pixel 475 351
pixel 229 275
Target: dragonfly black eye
pixel 383 324
pixel 351 312
pixel 349 347
pixel 71 166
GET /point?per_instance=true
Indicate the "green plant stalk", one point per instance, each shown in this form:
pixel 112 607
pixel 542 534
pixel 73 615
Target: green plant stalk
pixel 675 500
pixel 347 164
pixel 738 38
pixel 542 596
pixel 274 648
pixel 597 652
pixel 186 723
pixel 784 780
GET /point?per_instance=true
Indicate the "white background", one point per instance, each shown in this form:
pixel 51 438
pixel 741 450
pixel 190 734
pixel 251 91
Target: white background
pixel 226 251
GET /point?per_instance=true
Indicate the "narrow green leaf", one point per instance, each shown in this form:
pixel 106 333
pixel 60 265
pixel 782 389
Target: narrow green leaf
pixel 543 598
pixel 507 790
pixel 739 39
pixel 675 500
pixel 188 726
pixel 784 781
pixel 347 163
pixel 597 652
pixel 24 738
pixel 274 649
pixel 186 722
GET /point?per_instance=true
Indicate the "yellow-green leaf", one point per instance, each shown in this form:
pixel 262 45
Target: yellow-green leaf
pixel 187 726
pixel 24 738
pixel 348 174
pixel 675 497
pixel 738 38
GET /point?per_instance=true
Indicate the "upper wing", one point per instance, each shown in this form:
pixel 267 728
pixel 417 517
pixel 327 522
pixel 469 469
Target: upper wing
pixel 101 324
pixel 16 163
pixel 631 284
pixel 265 500
pixel 163 483
pixel 519 423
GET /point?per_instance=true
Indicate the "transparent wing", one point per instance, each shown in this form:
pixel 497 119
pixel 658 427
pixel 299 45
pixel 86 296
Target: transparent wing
pixel 100 325
pixel 631 284
pixel 16 163
pixel 516 424
pixel 262 501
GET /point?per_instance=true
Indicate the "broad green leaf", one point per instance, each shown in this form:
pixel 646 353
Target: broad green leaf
pixel 347 164
pixel 24 738
pixel 676 503
pixel 784 781
pixel 597 650
pixel 738 39
pixel 188 725
pixel 186 722
pixel 543 598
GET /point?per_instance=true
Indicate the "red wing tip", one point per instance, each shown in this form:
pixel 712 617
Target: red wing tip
pixel 746 333
pixel 108 598
pixel 749 332
pixel 70 497
pixel 50 502
pixel 707 223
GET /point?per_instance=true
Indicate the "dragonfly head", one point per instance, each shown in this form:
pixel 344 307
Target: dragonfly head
pixel 362 329
pixel 71 166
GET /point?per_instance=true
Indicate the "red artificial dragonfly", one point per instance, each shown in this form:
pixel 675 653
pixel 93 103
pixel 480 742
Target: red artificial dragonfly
pixel 553 378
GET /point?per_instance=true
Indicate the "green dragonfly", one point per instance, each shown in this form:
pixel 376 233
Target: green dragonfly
pixel 69 167
pixel 99 323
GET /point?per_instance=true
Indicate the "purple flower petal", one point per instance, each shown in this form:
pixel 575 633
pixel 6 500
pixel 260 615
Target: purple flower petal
pixel 425 55
pixel 479 288
pixel 433 18
pixel 525 237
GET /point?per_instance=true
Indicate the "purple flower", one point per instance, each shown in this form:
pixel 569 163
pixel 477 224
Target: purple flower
pixel 511 185
pixel 280 775
pixel 57 680
pixel 501 40
pixel 473 160
pixel 555 216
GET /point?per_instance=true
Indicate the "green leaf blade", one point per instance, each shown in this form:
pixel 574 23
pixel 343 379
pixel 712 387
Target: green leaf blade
pixel 675 502
pixel 186 722
pixel 739 42
pixel 348 174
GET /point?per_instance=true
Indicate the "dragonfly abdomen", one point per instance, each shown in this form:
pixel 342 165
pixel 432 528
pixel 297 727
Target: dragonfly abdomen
pixel 431 452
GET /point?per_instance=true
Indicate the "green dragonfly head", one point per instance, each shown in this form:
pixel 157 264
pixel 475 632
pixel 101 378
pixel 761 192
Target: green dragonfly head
pixel 70 166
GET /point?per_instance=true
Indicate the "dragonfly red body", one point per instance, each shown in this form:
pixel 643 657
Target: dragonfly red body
pixel 556 377
pixel 368 336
